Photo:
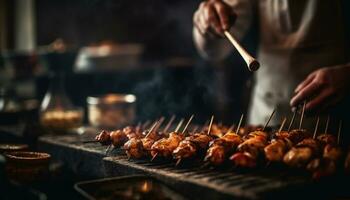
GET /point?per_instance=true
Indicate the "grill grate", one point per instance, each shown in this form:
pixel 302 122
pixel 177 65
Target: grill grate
pixel 196 181
pixel 233 182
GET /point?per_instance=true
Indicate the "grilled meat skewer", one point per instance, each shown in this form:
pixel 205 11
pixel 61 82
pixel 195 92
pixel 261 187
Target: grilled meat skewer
pixel 327 164
pixel 135 147
pixel 192 146
pixel 165 146
pixel 221 148
pixel 118 137
pixel 252 148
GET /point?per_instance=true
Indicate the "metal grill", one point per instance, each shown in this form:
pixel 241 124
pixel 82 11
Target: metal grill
pixel 198 182
pixel 253 184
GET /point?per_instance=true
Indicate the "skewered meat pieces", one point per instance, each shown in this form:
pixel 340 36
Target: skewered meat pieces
pixel 327 139
pixel 220 148
pixel 147 142
pixel 103 137
pixel 302 153
pixel 327 164
pixel 216 130
pixel 165 146
pixel 134 148
pixel 250 150
pixel 275 151
pixel 332 152
pixel 244 159
pixel 140 147
pixel 297 135
pixel 255 141
pixel 298 157
pixel 243 131
pixel 216 155
pixel 322 168
pixel 282 134
pixel 118 138
pixel 192 146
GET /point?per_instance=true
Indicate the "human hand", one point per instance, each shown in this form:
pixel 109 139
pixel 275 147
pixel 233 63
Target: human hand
pixel 323 88
pixel 213 17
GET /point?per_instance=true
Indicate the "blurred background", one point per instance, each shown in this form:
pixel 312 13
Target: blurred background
pixel 99 47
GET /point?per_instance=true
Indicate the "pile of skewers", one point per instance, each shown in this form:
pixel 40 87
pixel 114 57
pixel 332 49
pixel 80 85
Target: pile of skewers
pixel 242 147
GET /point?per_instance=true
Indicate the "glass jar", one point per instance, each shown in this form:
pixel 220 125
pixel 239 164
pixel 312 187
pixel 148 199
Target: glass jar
pixel 57 111
pixel 111 111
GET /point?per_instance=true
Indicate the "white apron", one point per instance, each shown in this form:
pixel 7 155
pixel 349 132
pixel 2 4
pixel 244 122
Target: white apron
pixel 296 38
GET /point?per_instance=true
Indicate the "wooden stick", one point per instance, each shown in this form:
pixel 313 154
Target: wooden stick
pixel 230 128
pixel 268 121
pixel 239 123
pixel 302 116
pixel 152 129
pixel 188 123
pixel 316 127
pixel 154 156
pixel 177 162
pixel 327 124
pixel 252 63
pixel 160 121
pixel 179 125
pixel 282 125
pixel 292 120
pixel 339 131
pixel 167 126
pixel 210 124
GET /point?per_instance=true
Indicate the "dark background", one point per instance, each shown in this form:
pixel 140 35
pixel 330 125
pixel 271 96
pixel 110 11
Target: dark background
pixel 164 27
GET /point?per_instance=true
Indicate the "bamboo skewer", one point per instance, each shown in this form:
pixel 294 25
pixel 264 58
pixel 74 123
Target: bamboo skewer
pixel 178 162
pixel 210 124
pixel 183 132
pixel 160 121
pixel 282 125
pixel 239 123
pixel 152 128
pixel 316 127
pixel 252 63
pixel 153 157
pixel 166 128
pixel 302 116
pixel 339 131
pixel 230 128
pixel 268 121
pixel 327 124
pixel 292 120
pixel 179 125
pixel 176 130
pixel 188 123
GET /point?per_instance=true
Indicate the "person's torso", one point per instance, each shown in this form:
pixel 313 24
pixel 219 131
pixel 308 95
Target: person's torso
pixel 296 38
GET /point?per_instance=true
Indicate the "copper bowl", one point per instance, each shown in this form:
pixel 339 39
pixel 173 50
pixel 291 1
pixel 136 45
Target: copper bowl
pixel 26 166
pixel 12 147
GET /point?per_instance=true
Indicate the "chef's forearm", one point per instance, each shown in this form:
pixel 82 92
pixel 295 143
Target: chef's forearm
pixel 213 49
